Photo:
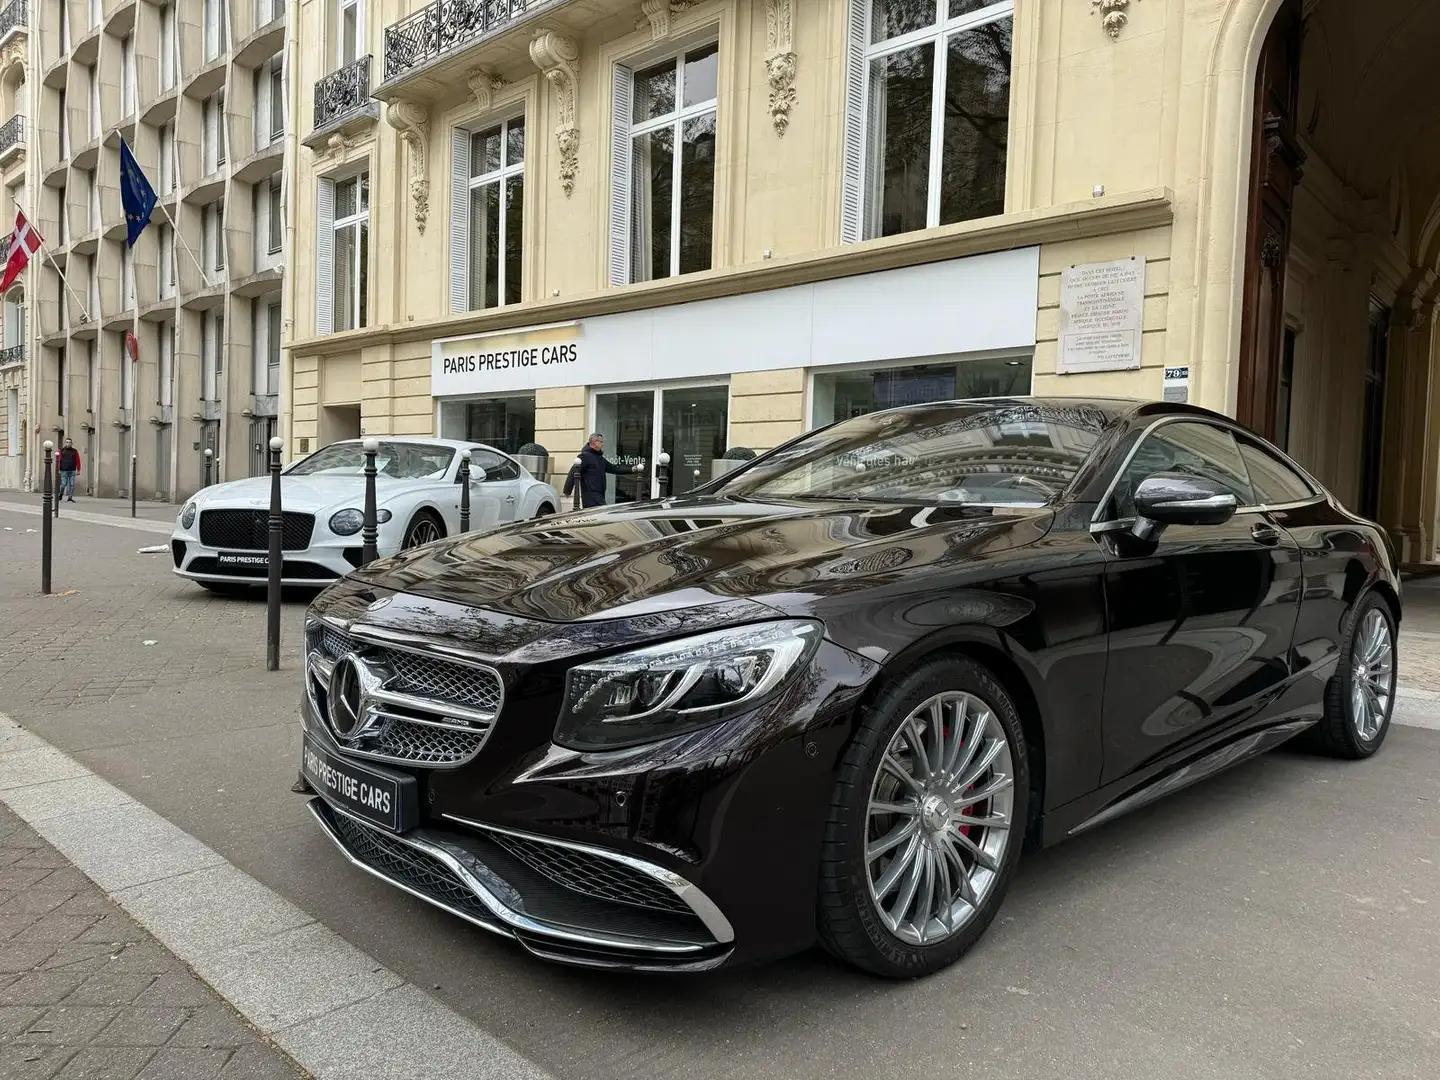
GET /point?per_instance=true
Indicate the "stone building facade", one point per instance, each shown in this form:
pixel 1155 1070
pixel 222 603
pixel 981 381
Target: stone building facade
pixel 704 225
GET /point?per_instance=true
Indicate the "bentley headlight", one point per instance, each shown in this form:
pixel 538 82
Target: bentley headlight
pixel 351 521
pixel 679 686
pixel 187 516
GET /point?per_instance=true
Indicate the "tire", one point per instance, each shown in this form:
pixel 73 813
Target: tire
pixel 1370 640
pixel 852 925
pixel 545 510
pixel 419 531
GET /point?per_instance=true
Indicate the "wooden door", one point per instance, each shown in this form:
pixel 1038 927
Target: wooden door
pixel 1275 170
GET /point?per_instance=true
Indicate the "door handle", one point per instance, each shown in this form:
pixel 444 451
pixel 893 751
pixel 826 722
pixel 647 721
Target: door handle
pixel 509 498
pixel 1264 534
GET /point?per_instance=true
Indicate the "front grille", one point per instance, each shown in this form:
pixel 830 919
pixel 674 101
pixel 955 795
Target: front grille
pixel 433 677
pixel 249 530
pixel 592 875
pixel 410 866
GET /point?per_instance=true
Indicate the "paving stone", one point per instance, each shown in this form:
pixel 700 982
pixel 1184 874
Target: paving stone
pixel 255 1063
pixel 177 988
pixel 73 1025
pixel 107 988
pixel 55 928
pixel 16 1018
pixel 143 1025
pixel 41 988
pixel 18 956
pixel 32 1062
pixel 106 1063
pixel 183 1063
pixel 214 1025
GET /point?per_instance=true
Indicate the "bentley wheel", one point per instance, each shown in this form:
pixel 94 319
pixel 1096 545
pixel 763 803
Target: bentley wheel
pixel 424 528
pixel 927 821
pixel 1361 695
pixel 545 510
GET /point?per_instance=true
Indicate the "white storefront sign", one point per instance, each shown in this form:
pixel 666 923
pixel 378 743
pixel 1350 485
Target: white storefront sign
pixel 1102 312
pixel 985 303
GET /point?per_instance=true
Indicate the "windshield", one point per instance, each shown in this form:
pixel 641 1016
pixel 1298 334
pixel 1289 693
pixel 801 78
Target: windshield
pixel 994 454
pixel 398 460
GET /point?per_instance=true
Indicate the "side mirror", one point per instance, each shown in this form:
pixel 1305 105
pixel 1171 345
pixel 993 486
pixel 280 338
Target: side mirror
pixel 1181 499
pixel 477 474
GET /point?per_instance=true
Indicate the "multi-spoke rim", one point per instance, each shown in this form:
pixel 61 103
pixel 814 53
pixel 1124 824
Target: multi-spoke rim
pixel 939 818
pixel 423 531
pixel 1373 681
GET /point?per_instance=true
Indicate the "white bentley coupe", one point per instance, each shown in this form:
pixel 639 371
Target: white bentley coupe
pixel 222 539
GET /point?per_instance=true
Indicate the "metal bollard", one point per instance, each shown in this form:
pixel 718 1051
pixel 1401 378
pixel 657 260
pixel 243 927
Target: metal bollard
pixel 276 563
pixel 132 485
pixel 209 456
pixel 575 476
pixel 371 529
pixel 56 487
pixel 47 530
pixel 464 491
pixel 662 474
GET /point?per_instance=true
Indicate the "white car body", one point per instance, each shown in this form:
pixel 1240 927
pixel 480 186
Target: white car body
pixel 234 548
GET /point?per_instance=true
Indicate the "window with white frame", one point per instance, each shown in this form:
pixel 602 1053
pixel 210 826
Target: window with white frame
pixel 213 131
pixel 927 114
pixel 166 237
pixel 169 73
pixel 92 198
pixel 277 97
pixel 96 12
pixel 167 363
pixel 93 85
pixel 213 221
pixel 275 231
pixel 342 254
pixel 272 348
pixel 167 158
pixel 349 31
pixel 662 200
pixel 487 210
pixel 212 345
pixel 213 25
pixel 127 75
pixel 64 123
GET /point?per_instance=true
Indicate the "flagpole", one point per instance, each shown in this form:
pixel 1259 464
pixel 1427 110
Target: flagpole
pixel 204 276
pixel 46 248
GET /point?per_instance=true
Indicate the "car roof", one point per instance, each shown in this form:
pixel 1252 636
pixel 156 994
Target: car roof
pixel 424 440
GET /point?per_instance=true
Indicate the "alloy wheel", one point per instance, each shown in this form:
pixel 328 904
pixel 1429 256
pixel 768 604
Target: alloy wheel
pixel 938 824
pixel 1373 682
pixel 423 531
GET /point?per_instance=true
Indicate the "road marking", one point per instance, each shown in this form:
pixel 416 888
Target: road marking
pixel 299 983
pixel 163 528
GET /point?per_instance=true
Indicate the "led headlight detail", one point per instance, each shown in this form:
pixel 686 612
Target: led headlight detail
pixel 350 521
pixel 679 686
pixel 187 516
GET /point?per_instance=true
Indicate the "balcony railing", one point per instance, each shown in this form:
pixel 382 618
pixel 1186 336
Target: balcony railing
pixel 444 26
pixel 12 134
pixel 14 16
pixel 342 92
pixel 11 356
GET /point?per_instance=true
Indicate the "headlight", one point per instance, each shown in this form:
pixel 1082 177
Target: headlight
pixel 187 516
pixel 351 521
pixel 679 686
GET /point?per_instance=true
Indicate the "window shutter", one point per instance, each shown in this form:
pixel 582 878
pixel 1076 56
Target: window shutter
pixel 852 183
pixel 459 221
pixel 622 90
pixel 325 258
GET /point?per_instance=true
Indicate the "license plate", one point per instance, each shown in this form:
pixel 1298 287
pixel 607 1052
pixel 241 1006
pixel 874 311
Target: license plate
pixel 247 562
pixel 379 796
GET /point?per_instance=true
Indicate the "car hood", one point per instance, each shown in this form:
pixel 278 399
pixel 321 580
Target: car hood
pixel 307 494
pixel 643 559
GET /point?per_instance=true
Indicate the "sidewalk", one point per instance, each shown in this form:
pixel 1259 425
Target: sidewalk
pixel 84 992
pixel 84 504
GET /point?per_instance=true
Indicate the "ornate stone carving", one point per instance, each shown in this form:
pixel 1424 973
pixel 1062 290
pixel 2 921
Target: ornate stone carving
pixel 15 54
pixel 780 61
pixel 413 124
pixel 656 15
pixel 1114 14
pixel 558 57
pixel 1271 249
pixel 335 147
pixel 484 85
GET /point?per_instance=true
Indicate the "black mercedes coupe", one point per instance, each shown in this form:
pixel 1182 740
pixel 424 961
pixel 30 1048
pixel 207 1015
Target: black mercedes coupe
pixel 833 695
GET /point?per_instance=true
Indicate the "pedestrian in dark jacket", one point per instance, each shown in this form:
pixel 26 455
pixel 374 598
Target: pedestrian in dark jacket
pixel 69 465
pixel 593 468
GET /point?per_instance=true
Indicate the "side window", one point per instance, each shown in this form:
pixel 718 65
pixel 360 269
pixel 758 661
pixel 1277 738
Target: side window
pixel 1275 482
pixel 1193 448
pixel 496 467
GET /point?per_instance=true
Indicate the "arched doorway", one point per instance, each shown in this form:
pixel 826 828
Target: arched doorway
pixel 1337 346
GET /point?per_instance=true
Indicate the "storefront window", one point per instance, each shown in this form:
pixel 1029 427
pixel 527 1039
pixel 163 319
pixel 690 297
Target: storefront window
pixel 506 423
pixel 690 423
pixel 840 395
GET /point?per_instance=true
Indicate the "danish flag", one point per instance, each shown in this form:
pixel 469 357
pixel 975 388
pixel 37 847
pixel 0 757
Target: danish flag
pixel 24 242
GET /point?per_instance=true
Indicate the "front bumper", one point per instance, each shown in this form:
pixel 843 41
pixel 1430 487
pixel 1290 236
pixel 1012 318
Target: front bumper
pixel 529 888
pixel 325 560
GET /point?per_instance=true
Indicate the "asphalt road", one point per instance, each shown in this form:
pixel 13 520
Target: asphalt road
pixel 1282 920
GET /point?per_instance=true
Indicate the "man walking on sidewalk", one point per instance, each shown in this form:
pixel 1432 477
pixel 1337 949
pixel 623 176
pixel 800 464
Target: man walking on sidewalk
pixel 592 471
pixel 69 465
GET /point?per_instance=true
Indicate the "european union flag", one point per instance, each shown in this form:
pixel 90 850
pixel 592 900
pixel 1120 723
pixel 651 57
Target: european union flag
pixel 136 194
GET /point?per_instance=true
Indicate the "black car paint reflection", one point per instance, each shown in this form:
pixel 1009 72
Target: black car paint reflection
pixel 1135 662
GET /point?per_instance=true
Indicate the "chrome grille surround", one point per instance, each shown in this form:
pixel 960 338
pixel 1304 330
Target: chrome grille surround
pixel 591 875
pixel 433 706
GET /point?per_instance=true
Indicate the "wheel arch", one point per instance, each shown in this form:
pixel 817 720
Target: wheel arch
pixel 991 649
pixel 429 509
